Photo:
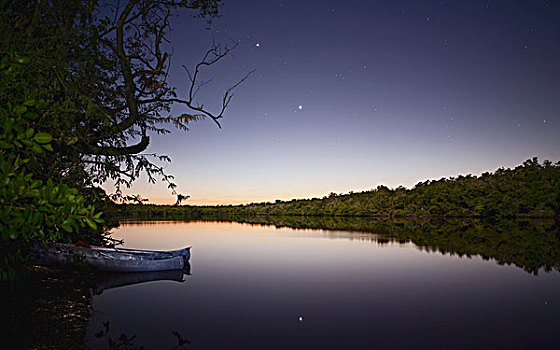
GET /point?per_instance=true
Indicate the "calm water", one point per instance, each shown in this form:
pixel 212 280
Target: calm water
pixel 260 287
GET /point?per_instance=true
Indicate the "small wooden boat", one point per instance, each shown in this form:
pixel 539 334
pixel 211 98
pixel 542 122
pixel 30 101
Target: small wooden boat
pixel 113 259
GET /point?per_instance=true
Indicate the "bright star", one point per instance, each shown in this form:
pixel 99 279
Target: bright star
pixel 300 107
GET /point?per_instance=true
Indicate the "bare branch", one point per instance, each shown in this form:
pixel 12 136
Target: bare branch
pixel 136 96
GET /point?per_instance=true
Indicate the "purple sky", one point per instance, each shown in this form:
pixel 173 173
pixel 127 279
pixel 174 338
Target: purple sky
pixel 391 92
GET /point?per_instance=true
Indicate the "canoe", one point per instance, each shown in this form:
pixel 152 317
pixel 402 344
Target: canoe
pixel 113 259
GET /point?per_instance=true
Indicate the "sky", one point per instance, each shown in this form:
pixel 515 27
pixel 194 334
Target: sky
pixel 349 95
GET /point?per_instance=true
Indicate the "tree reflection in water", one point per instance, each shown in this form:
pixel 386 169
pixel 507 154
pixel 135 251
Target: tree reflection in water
pixel 532 245
pixel 126 342
pixel 53 304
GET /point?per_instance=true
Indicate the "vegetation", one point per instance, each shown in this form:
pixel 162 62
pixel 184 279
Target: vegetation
pixel 31 208
pixel 83 85
pixel 98 72
pixel 465 216
pixel 530 190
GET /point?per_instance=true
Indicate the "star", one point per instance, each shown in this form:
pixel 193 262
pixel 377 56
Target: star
pixel 300 107
pixel 257 44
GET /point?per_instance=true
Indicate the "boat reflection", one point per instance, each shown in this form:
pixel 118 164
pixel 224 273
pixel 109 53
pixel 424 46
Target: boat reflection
pixel 115 280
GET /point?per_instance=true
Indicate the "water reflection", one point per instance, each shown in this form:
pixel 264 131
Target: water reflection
pixel 129 342
pixel 326 283
pixel 52 304
pixel 257 286
pixel 532 245
pixel 115 280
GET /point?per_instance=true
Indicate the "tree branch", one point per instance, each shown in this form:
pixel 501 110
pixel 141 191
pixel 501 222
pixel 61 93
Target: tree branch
pixel 122 151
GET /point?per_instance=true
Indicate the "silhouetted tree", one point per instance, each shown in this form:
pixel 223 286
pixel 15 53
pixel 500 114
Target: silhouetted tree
pixel 83 85
pixel 98 71
pixel 180 198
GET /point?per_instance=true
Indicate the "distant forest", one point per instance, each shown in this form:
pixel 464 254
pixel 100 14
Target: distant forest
pixel 529 190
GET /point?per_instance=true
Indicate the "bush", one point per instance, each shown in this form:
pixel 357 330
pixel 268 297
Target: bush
pixel 32 210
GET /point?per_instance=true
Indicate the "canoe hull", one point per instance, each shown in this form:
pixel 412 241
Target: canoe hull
pixel 113 259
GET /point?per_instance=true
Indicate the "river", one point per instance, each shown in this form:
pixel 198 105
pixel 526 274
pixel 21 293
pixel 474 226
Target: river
pixel 259 286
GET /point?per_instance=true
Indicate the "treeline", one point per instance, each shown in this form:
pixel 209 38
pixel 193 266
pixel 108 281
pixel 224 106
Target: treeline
pixel 529 190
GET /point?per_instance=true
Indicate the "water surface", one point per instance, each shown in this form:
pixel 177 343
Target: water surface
pixel 262 287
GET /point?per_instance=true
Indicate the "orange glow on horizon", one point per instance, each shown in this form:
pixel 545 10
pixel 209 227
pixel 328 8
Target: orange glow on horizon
pixel 212 199
pixel 223 200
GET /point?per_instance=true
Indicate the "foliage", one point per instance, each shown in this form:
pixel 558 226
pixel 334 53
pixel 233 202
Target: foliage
pixel 83 85
pixel 31 209
pixel 98 72
pixel 427 215
pixel 530 190
pixel 180 198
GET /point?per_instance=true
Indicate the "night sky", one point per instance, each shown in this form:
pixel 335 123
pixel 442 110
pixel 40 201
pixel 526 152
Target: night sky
pixel 348 95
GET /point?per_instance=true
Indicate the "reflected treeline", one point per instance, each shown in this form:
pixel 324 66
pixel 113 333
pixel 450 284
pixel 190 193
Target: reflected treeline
pixel 529 244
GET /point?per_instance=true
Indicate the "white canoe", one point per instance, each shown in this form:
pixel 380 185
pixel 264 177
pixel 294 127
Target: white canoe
pixel 113 259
